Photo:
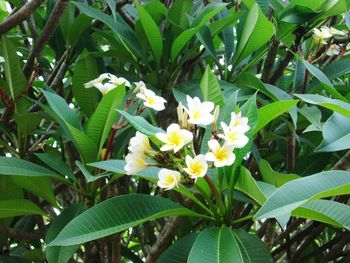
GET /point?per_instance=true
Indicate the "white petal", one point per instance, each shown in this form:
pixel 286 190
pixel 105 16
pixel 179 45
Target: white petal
pixel 213 145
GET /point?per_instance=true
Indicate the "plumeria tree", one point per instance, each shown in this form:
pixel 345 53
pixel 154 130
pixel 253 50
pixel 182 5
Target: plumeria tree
pixel 174 131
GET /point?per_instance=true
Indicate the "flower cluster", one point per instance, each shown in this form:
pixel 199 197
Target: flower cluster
pixel 177 155
pixel 323 35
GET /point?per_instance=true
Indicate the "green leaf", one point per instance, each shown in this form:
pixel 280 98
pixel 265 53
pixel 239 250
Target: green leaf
pixel 257 31
pixel 299 191
pixel 271 111
pixel 210 87
pixel 225 245
pixel 336 134
pixel 272 177
pixel 61 109
pixel 12 68
pixel 15 166
pixel 39 186
pixel 332 104
pixel 324 80
pixel 102 120
pixel 247 185
pixel 62 254
pixel 133 210
pixel 207 13
pixel 86 147
pixel 179 251
pixel 178 12
pixel 152 32
pixel 84 71
pixel 140 124
pixel 325 211
pixel 55 163
pixel 88 176
pixel 18 207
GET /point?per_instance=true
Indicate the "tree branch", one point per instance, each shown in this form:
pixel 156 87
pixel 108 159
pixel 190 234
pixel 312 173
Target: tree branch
pixel 48 31
pixel 270 61
pixel 22 14
pixel 343 163
pixel 163 239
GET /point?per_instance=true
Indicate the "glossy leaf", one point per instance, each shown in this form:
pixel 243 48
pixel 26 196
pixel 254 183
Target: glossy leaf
pixel 297 192
pixel 210 87
pixel 334 137
pixel 225 245
pixel 133 210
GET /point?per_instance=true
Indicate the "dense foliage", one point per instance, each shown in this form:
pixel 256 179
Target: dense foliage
pixel 174 131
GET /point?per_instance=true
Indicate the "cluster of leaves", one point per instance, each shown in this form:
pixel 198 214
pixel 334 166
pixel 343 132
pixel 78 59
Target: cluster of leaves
pixel 64 195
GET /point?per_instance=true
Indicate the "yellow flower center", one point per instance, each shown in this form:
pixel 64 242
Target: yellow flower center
pixel 151 100
pixel 175 139
pixel 169 180
pixel 196 115
pixel 196 168
pixel 221 154
pixel 232 136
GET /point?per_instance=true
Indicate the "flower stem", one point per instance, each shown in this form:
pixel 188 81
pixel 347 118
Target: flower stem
pixel 216 193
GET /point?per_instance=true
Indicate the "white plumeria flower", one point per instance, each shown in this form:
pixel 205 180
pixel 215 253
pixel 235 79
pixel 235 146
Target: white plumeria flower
pixel 134 163
pixel 336 32
pixel 174 138
pixel 199 112
pixel 233 136
pixel 97 82
pixel 221 156
pixel 333 50
pixel 322 35
pixel 168 179
pixel 196 167
pixel 2 60
pixel 238 121
pixel 118 81
pixel 139 144
pixel 151 100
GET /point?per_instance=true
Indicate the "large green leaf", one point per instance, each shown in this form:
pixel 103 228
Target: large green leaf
pixel 15 166
pixel 84 71
pixel 207 13
pixel 256 32
pixel 271 111
pixel 18 207
pixel 179 251
pixel 225 245
pixel 102 120
pixel 332 104
pixel 336 134
pixel 130 210
pixel 210 87
pixel 140 124
pixel 39 186
pixel 152 32
pixel 297 192
pixel 62 254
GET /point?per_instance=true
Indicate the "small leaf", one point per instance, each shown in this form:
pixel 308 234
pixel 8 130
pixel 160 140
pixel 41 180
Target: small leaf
pixel 210 87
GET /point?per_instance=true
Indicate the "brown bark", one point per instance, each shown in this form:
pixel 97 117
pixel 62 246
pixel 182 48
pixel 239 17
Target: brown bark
pixel 22 14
